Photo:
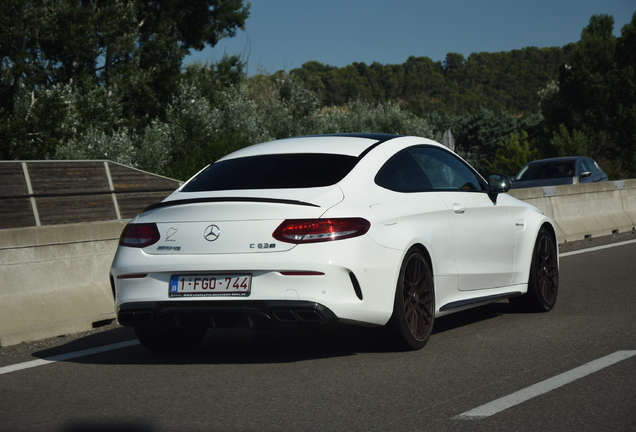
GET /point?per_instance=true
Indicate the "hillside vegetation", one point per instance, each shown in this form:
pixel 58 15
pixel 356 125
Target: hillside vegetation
pixel 92 80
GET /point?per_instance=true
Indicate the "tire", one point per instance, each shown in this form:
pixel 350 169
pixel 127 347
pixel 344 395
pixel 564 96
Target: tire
pixel 169 339
pixel 414 305
pixel 543 283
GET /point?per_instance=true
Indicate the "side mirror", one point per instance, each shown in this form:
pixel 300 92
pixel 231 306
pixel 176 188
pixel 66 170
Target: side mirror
pixel 585 174
pixel 498 183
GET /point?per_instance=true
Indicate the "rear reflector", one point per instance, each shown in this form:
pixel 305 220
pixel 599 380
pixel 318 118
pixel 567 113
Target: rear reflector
pixel 320 230
pixel 139 235
pixel 301 273
pixel 133 276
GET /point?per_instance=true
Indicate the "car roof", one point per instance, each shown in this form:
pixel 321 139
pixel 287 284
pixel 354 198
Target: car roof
pixel 354 144
pixel 559 159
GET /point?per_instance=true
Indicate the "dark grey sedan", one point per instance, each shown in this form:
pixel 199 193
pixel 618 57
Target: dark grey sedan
pixel 559 171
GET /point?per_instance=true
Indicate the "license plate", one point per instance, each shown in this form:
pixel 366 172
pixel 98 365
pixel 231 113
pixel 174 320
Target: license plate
pixel 210 285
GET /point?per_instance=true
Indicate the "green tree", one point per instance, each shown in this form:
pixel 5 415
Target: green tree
pixel 284 104
pixel 202 132
pixel 131 49
pixel 512 154
pixel 508 81
pixel 482 132
pixel 625 107
pixel 596 94
pixel 565 143
pixel 363 116
pixel 212 79
pixel 36 125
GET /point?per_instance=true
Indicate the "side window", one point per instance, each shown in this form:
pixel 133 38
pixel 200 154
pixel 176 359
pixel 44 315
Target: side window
pixel 584 166
pixel 445 171
pixel 402 173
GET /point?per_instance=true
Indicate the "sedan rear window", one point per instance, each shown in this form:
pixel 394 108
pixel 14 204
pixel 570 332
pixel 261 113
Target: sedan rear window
pixel 281 171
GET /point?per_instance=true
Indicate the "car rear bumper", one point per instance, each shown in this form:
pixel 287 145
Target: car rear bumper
pixel 354 279
pixel 227 314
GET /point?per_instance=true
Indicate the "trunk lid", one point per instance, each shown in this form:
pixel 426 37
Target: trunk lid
pixel 229 222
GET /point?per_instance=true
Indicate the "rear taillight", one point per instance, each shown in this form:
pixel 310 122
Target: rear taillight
pixel 320 230
pixel 139 235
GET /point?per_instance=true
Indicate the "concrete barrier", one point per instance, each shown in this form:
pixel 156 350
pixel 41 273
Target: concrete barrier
pixel 588 210
pixel 627 189
pixel 54 279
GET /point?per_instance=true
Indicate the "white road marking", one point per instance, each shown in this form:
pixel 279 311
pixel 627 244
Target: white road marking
pixel 546 386
pixel 592 249
pixel 68 356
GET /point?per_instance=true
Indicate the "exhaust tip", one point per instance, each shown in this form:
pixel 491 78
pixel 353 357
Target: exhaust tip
pixel 135 317
pixel 309 316
pixel 144 317
pixel 284 316
pixel 297 315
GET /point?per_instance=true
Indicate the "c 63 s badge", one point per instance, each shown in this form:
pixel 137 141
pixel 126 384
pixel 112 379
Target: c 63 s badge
pixel 262 245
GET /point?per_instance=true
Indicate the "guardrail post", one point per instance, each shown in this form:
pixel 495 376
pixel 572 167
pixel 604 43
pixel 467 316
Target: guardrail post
pixel 34 206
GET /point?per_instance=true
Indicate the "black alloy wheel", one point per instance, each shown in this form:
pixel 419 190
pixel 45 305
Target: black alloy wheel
pixel 414 306
pixel 543 284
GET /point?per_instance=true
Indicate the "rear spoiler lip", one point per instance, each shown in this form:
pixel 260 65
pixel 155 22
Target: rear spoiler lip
pixel 227 199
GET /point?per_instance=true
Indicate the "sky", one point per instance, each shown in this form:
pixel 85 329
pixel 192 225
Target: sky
pixel 285 34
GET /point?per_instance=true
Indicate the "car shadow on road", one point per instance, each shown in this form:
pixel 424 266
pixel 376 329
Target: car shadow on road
pixel 248 346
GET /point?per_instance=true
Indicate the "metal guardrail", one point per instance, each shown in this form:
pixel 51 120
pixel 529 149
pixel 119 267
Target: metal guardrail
pixel 38 193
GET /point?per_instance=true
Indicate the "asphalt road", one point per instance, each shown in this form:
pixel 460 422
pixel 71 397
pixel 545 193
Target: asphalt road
pixel 572 369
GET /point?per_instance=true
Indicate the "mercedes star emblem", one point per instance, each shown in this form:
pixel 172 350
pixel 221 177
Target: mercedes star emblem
pixel 212 233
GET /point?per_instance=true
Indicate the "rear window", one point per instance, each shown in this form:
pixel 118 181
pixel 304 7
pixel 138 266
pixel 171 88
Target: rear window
pixel 283 171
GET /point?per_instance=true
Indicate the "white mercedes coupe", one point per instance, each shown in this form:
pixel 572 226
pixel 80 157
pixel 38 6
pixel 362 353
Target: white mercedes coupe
pixel 362 229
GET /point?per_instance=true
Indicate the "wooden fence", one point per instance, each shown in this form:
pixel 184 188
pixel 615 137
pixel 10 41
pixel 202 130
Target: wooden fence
pixel 36 193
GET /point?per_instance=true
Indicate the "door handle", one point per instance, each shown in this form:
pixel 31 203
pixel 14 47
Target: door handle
pixel 459 208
